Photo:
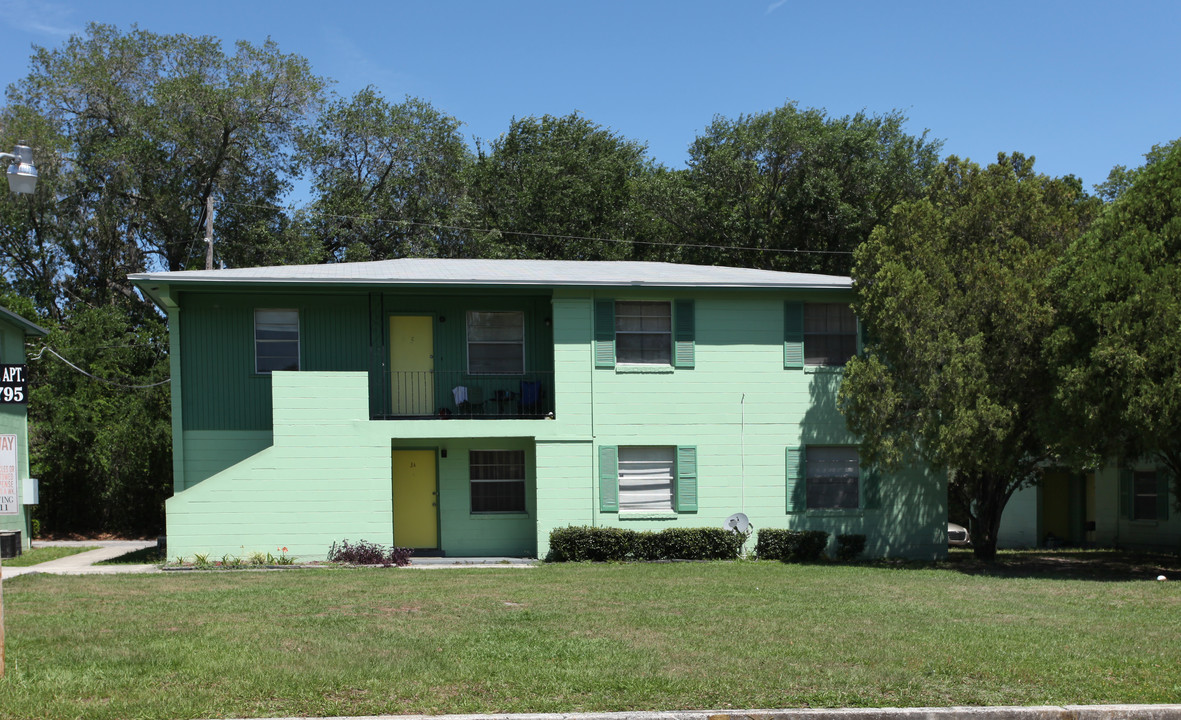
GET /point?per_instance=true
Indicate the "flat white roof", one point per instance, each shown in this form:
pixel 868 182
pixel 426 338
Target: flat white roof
pixel 427 271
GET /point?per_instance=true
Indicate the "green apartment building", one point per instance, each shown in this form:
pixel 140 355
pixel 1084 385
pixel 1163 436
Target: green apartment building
pixel 468 407
pixel 17 491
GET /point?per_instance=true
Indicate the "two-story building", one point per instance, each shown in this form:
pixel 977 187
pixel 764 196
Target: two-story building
pixel 468 407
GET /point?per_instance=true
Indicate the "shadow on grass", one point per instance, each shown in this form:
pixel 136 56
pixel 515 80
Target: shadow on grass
pixel 1063 564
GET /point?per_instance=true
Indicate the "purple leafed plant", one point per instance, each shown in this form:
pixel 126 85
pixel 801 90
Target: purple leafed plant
pixel 363 552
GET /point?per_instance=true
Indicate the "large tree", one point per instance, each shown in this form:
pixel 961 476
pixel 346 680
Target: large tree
pixel 389 180
pixel 1116 354
pixel 150 127
pixel 560 188
pixel 954 291
pixel 803 188
pixel 132 132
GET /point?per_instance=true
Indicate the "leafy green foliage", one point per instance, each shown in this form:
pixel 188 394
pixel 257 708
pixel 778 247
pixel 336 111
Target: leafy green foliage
pixel 103 452
pixel 954 290
pixel 1116 348
pixel 389 180
pixel 796 180
pixel 849 547
pixel 563 176
pixel 790 545
pixel 611 544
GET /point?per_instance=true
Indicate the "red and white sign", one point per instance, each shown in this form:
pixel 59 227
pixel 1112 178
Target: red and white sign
pixel 9 502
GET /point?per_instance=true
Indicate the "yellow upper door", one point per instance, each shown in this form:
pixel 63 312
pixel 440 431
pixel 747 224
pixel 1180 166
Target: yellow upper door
pixel 416 520
pixel 412 364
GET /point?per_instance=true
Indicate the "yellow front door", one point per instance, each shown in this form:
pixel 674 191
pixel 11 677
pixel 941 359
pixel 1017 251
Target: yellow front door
pixel 416 499
pixel 412 364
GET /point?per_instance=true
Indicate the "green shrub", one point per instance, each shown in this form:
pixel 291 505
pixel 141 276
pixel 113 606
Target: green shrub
pixel 790 545
pixel 36 527
pixel 603 544
pixel 849 547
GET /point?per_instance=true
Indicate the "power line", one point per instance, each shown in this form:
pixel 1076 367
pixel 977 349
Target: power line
pixel 95 377
pixel 549 236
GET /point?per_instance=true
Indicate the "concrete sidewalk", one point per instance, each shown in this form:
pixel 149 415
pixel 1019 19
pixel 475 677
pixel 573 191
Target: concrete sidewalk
pixel 83 563
pixel 1044 712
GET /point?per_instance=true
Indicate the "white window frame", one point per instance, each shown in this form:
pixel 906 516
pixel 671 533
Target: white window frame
pixel 828 333
pixel 473 480
pixel 258 341
pixel 470 342
pixel 646 466
pixel 667 334
pixel 814 462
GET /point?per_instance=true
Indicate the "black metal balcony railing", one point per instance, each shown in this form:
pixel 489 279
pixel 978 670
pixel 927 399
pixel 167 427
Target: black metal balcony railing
pixel 456 394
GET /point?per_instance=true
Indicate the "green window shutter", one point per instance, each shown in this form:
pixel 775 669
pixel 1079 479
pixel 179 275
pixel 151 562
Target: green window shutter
pixel 1126 487
pixel 686 334
pixel 793 334
pixel 871 488
pixel 686 492
pixel 604 333
pixel 608 478
pixel 1162 494
pixel 797 486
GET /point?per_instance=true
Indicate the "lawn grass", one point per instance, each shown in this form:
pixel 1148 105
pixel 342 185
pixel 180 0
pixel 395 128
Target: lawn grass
pixel 33 556
pixel 579 638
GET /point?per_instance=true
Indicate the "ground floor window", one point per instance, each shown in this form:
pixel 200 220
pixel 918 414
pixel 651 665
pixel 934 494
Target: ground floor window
pixel 646 479
pixel 833 475
pixel 497 480
pixel 1144 498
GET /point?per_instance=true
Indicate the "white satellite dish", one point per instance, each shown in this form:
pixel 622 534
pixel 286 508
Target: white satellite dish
pixel 737 523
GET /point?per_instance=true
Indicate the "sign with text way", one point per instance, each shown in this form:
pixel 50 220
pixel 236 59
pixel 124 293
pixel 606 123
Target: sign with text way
pixel 14 384
pixel 8 499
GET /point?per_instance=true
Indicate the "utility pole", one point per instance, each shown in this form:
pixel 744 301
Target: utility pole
pixel 209 231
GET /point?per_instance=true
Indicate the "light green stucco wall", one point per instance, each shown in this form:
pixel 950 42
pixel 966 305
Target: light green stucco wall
pixel 327 475
pixel 13 420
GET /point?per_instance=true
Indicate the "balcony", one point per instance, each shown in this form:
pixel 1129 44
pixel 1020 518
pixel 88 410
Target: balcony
pixel 447 395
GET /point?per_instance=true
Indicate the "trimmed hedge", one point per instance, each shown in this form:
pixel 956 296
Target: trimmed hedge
pixel 790 545
pixel 849 547
pixel 603 544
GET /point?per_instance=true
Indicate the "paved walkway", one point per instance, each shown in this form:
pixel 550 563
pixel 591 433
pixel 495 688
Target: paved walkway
pixel 83 563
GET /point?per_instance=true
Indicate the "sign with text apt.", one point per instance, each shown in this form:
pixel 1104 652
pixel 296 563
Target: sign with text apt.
pixel 14 384
pixel 8 499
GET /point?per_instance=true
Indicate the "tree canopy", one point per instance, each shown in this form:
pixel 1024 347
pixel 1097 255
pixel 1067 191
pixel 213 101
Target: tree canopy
pixel 799 189
pixel 1116 353
pixel 954 292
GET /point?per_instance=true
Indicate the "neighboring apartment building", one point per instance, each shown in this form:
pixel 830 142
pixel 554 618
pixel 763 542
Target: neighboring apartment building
pixel 468 407
pixel 1125 504
pixel 17 492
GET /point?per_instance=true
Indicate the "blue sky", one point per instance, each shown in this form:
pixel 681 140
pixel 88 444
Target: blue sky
pixel 1081 85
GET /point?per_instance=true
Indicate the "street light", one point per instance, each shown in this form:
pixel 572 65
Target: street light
pixel 22 176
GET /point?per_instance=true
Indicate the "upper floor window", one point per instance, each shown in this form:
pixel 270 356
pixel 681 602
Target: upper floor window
pixel 496 343
pixel 276 340
pixel 643 332
pixel 830 333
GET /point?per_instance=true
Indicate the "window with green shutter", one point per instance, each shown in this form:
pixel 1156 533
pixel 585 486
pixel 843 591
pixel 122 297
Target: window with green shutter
pixel 796 488
pixel 604 333
pixel 793 334
pixel 608 478
pixel 686 490
pixel 686 334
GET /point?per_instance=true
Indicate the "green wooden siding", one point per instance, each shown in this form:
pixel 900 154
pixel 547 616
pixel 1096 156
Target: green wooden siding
pixel 222 390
